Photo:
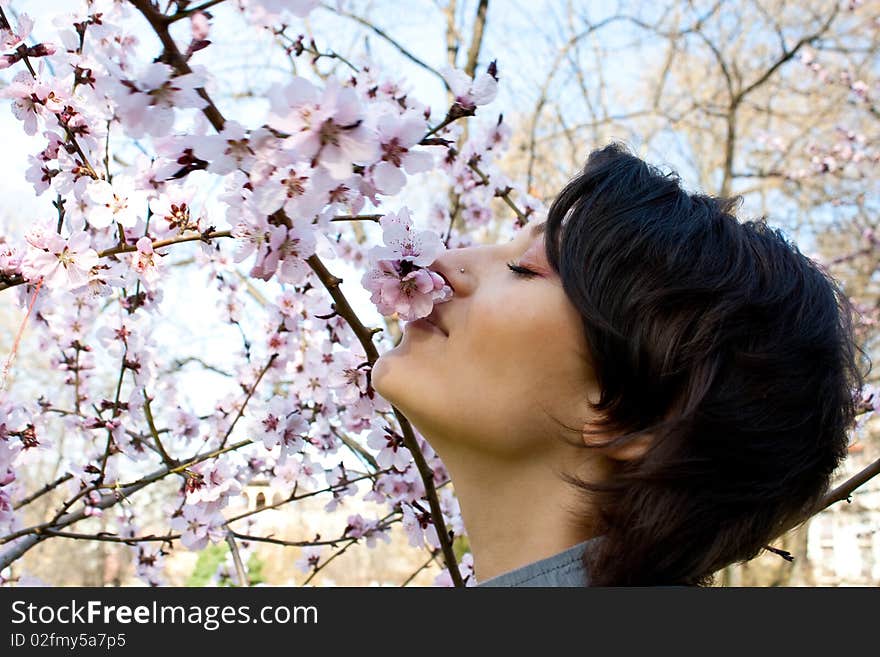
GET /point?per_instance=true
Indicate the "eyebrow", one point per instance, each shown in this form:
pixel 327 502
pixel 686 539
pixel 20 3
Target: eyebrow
pixel 538 229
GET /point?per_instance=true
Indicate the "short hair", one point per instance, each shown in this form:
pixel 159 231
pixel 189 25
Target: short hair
pixel 733 350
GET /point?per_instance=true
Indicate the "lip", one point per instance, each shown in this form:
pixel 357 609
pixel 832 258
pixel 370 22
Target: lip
pixel 425 325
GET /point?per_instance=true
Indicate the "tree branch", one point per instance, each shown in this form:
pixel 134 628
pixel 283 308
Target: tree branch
pixel 470 66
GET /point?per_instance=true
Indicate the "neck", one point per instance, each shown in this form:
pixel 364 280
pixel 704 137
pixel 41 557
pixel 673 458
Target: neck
pixel 515 512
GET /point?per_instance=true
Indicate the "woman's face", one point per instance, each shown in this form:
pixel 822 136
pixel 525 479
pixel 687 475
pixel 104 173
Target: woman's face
pixel 515 346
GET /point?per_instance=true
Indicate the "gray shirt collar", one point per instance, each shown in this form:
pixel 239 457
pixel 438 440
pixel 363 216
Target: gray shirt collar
pixel 562 569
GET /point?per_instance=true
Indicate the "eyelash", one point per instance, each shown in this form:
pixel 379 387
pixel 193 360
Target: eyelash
pixel 521 271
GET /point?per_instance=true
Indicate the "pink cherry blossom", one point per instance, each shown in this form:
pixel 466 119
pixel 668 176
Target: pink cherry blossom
pixel 31 100
pixel 392 451
pixel 39 174
pixel 418 527
pixel 299 245
pixel 149 558
pixel 396 285
pixel 325 126
pixel 411 295
pixel 298 189
pixel 146 263
pixel 359 527
pixel 10 448
pixel 349 380
pixel 233 148
pixel 173 210
pixel 297 470
pixel 256 235
pixel 61 263
pixel 184 424
pixel 310 558
pixel 92 503
pixel 338 478
pixel 11 38
pixel 198 524
pixel 124 331
pixel 289 302
pixel 398 134
pixel 10 259
pixel 200 25
pixel 118 202
pixel 211 481
pixel 282 424
pixel 146 101
pixel 469 93
pixel 403 242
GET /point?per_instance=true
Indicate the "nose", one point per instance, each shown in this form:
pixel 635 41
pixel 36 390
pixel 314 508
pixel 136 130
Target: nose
pixel 449 265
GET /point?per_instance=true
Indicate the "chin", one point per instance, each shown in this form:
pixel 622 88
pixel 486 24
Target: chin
pixel 377 374
pixel 382 377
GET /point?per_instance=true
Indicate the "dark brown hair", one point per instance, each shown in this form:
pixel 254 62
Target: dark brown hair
pixel 733 350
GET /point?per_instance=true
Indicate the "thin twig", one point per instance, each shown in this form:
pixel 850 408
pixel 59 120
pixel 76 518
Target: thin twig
pixel 236 558
pixel 406 53
pixel 45 489
pixel 504 194
pixel 420 568
pixel 180 15
pixel 148 412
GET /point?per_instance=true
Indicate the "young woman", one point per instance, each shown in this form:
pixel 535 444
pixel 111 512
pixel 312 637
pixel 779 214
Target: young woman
pixel 639 390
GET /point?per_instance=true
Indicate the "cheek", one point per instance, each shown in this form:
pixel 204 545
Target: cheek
pixel 530 342
pixel 512 335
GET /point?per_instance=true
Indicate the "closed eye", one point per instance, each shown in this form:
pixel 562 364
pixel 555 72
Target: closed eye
pixel 521 271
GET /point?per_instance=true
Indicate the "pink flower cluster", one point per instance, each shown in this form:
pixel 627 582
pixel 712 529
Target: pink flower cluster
pixel 398 278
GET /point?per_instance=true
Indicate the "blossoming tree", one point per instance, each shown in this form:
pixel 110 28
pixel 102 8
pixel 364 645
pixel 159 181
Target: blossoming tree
pixel 94 276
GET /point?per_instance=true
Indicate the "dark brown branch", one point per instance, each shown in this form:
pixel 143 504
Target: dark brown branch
pixel 847 488
pixel 111 538
pixel 285 543
pixel 180 15
pixel 842 492
pixel 173 56
pixel 181 362
pixel 358 217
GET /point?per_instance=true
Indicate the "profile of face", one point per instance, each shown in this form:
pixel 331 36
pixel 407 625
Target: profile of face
pixel 514 348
